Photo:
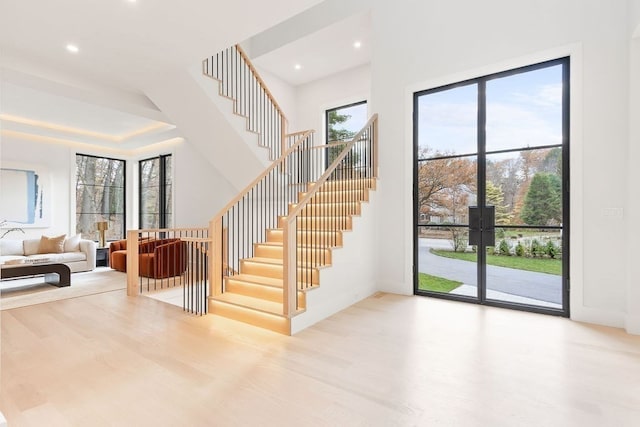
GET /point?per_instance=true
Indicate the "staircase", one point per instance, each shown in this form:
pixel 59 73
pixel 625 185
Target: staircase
pixel 272 242
pixel 255 294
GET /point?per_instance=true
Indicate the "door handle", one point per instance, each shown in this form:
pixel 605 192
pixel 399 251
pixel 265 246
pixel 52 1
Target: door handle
pixel 489 220
pixel 475 228
pixel 482 227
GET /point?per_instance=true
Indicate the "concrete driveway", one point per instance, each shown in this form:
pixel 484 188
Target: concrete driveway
pixel 546 288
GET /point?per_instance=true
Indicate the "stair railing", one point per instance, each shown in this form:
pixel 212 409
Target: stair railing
pixel 240 81
pixel 161 259
pixel 244 221
pixel 316 222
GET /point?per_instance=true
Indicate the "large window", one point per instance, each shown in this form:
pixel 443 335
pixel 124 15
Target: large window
pixel 100 196
pixel 492 189
pixel 155 192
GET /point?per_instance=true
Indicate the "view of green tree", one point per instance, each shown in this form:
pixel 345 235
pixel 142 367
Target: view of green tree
pixel 543 202
pixel 336 133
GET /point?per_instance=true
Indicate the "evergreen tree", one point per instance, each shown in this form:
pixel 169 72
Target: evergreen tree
pixel 543 202
pixel 337 134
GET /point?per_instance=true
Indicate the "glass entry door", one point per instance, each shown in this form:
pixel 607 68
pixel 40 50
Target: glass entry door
pixel 491 189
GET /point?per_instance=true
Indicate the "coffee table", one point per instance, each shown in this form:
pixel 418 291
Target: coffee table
pixel 54 274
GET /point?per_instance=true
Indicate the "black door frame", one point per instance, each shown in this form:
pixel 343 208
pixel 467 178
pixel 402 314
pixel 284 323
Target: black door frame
pixel 481 188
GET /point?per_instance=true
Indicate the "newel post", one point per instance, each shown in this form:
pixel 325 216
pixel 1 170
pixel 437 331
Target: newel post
pixel 132 263
pixel 215 256
pixel 289 285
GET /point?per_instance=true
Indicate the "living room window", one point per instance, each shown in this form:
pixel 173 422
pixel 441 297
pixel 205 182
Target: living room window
pixel 155 192
pixel 100 196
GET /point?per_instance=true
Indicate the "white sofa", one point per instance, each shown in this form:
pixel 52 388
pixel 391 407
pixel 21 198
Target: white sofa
pixel 79 254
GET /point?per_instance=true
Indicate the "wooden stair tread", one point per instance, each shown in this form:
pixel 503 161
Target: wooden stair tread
pixel 261 260
pixel 258 304
pixel 257 280
pixel 268 281
pixel 280 262
pixel 302 246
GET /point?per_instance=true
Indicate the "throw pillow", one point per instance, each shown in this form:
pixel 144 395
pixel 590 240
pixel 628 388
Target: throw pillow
pixel 10 247
pixel 51 245
pixel 72 244
pixel 31 246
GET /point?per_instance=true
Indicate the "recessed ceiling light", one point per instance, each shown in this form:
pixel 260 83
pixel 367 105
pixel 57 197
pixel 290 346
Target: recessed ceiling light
pixel 357 44
pixel 72 48
pixel 297 66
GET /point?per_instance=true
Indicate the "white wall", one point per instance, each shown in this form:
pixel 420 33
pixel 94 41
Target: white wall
pixel 57 161
pixel 313 99
pixel 633 281
pixel 285 96
pixel 200 191
pixel 352 275
pixel 440 42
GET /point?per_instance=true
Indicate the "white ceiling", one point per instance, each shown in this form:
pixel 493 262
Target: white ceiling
pixel 322 53
pixel 122 44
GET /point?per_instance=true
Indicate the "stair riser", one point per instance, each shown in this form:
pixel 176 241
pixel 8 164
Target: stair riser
pixel 317 256
pixel 338 196
pixel 276 271
pixel 261 269
pixel 337 209
pixel 322 223
pixel 252 317
pixel 354 184
pixel 268 293
pixel 268 251
pixel 328 239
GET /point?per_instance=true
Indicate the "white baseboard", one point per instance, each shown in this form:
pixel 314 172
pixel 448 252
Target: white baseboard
pixel 598 316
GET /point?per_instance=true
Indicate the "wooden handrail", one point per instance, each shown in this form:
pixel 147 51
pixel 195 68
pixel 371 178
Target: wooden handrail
pixel 260 81
pixel 161 230
pixel 301 203
pixel 274 165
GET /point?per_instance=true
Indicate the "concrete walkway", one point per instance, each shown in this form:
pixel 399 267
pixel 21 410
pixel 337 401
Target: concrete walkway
pixel 504 284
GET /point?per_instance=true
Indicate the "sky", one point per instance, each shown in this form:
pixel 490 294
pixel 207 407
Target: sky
pixel 358 117
pixel 523 110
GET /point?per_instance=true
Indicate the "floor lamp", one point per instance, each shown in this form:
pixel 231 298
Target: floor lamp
pixel 102 227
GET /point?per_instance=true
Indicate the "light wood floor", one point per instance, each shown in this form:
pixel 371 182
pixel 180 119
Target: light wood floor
pixel 390 360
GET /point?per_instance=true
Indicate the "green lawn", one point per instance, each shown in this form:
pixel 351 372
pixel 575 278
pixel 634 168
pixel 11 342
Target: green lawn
pixel 428 282
pixel 539 265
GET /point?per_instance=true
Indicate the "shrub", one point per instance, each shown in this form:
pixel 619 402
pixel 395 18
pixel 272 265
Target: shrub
pixel 519 249
pixel 536 248
pixel 504 248
pixel 551 249
pixel 459 239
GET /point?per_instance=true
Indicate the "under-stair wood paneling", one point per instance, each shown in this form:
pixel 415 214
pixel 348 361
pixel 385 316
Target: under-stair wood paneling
pixel 255 294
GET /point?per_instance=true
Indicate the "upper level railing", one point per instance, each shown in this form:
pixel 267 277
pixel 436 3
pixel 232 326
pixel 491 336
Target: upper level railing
pixel 240 81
